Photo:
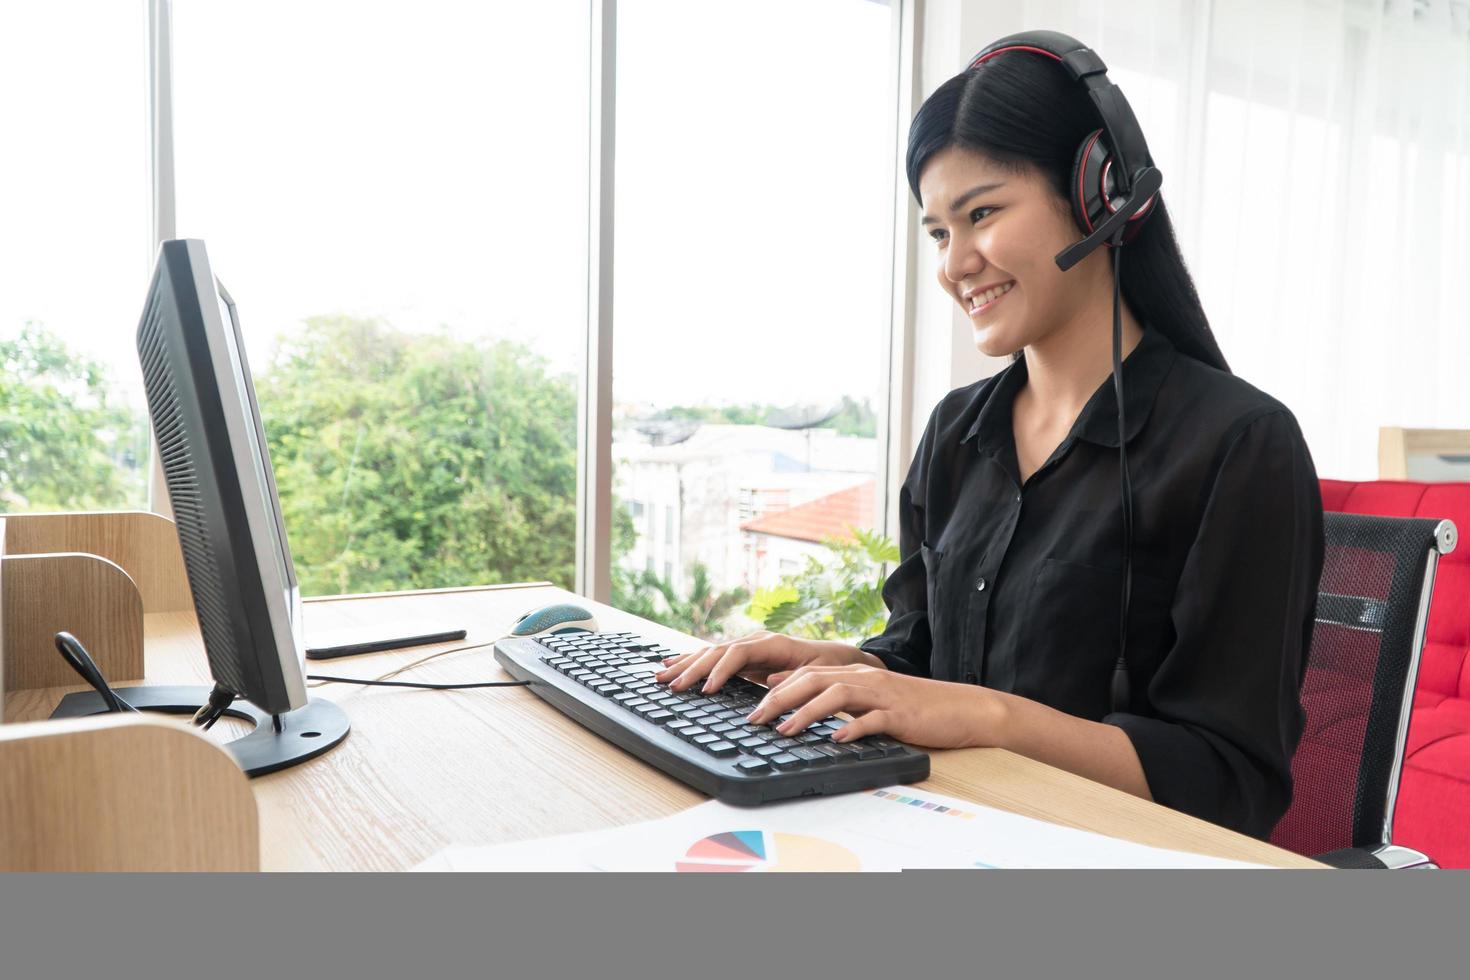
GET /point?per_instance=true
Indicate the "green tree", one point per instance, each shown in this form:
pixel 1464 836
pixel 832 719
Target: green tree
pixel 854 418
pixel 420 460
pixel 701 612
pixel 839 599
pixel 64 444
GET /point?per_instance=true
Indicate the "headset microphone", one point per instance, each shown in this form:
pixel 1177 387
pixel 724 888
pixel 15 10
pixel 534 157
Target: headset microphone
pixel 1146 185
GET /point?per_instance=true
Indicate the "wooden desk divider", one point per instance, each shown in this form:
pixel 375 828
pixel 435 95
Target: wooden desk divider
pixel 143 544
pixel 122 793
pixel 111 792
pixel 89 597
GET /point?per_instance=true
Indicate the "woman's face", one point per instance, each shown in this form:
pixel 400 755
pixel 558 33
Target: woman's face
pixel 996 234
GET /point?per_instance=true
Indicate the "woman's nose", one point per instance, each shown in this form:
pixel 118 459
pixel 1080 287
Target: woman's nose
pixel 962 261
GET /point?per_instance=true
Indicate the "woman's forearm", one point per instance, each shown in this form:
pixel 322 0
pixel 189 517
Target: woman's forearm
pixel 1100 752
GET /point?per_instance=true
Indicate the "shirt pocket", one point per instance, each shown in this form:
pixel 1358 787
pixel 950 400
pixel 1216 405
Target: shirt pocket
pixel 1070 635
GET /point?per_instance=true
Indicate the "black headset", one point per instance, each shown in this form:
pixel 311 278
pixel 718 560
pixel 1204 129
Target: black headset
pixel 1113 189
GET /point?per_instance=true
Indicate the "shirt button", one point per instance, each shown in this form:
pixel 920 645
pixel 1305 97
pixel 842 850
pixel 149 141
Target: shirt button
pixel 980 585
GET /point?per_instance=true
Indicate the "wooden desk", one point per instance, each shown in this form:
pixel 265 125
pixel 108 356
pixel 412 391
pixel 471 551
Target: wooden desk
pixel 426 769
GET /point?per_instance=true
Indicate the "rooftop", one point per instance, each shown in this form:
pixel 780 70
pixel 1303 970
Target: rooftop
pixel 832 516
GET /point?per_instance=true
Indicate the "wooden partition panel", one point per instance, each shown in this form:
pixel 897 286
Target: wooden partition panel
pixel 143 544
pixel 122 793
pixel 89 597
pixel 1396 447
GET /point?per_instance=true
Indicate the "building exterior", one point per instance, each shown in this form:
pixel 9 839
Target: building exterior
pixel 688 498
pixel 779 542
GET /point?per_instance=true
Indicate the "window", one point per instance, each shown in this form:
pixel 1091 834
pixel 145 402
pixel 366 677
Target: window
pixel 405 233
pixel 74 255
pixel 753 259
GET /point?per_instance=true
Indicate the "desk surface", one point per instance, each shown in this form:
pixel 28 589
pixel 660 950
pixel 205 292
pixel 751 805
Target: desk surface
pixel 426 769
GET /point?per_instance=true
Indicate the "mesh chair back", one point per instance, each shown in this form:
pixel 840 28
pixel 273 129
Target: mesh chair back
pixel 1372 600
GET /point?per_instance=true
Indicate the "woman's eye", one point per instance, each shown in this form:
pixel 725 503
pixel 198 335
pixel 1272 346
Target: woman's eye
pixel 980 214
pixel 937 234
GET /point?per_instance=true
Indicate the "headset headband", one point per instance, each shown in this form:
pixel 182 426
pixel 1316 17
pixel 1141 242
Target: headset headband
pixel 1082 64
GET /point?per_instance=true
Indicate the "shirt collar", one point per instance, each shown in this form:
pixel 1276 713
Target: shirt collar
pixel 1144 370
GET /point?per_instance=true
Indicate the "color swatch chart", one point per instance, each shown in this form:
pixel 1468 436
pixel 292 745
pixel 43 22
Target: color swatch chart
pixel 923 804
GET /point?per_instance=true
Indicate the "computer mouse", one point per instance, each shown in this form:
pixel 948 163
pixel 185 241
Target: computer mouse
pixel 563 617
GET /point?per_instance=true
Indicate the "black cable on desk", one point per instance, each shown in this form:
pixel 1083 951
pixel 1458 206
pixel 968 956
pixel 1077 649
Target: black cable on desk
pixel 429 687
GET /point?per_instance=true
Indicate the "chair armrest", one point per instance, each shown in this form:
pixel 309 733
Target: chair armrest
pixel 1385 856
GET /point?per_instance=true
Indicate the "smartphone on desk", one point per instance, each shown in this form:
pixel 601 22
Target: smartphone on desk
pixel 349 641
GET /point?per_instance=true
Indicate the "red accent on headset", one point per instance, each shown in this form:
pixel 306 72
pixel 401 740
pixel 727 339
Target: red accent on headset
pixel 1082 172
pixel 1014 47
pixel 1102 186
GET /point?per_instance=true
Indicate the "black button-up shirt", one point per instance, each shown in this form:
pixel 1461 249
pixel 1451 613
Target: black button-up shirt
pixel 1018 587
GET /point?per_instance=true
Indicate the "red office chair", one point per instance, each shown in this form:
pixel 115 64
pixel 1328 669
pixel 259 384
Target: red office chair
pixel 1372 608
pixel 1434 797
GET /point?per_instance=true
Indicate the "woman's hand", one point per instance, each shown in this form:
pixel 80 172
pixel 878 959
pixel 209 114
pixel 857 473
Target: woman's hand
pixel 917 710
pixel 755 657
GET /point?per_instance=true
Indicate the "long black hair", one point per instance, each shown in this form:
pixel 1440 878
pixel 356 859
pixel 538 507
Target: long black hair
pixel 1022 110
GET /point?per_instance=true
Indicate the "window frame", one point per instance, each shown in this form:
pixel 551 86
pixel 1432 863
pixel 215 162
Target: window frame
pixel 594 395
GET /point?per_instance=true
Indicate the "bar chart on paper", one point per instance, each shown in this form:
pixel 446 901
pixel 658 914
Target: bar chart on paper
pixel 761 850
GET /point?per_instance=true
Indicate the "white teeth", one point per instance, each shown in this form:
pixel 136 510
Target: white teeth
pixel 989 296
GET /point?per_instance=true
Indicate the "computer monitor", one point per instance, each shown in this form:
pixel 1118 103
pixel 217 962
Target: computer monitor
pixel 216 463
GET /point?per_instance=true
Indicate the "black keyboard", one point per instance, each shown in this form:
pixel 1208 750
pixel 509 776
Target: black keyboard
pixel 605 682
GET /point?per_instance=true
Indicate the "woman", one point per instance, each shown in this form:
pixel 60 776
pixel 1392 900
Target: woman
pixel 1004 611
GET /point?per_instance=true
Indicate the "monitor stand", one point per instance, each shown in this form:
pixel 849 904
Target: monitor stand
pixel 303 734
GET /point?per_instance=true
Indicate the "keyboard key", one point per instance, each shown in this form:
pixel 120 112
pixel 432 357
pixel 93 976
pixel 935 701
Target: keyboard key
pixel 866 751
pixel 888 745
pixel 647 708
pixel 809 737
pixel 625 696
pixel 766 751
pixel 808 754
pixel 785 743
pixel 708 738
pixel 752 743
pixel 635 705
pixel 722 728
pixel 753 766
pixel 679 727
pixel 694 730
pixel 660 716
pixel 721 748
pixel 831 750
pixel 786 761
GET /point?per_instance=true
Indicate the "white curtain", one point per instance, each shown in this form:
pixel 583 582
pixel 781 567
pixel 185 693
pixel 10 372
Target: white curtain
pixel 1316 159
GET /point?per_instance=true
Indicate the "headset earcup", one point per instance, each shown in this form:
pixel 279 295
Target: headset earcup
pixel 1088 205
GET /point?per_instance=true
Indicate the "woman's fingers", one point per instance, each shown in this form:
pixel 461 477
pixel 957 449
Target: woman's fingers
pixel 836 696
pixel 692 670
pixel 742 655
pixel 798 676
pixel 872 723
pixel 806 684
pixel 674 660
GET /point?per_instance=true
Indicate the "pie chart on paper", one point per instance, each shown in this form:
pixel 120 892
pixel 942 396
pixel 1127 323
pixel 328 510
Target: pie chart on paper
pixel 762 850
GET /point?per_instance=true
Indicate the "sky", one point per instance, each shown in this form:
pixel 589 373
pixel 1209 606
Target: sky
pixel 427 164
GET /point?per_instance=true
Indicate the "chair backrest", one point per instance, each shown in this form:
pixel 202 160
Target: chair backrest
pixel 1372 606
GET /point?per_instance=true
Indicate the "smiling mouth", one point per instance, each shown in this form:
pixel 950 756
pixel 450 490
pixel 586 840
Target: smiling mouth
pixel 982 302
